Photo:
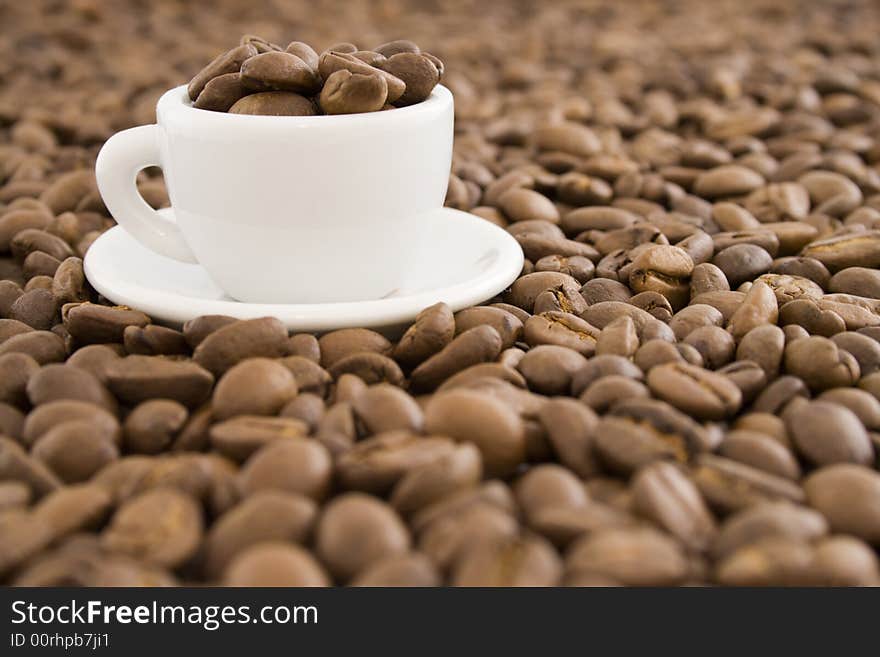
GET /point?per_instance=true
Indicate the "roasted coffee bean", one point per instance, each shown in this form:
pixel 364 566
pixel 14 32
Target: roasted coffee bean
pixel 376 464
pixel 865 407
pixel 477 345
pixel 715 345
pixel 345 92
pixel 742 262
pixel 418 72
pixel 43 346
pixel 154 340
pixel 152 426
pixel 228 62
pixel 865 350
pixel 197 329
pixel 95 358
pixel 665 495
pixel 820 363
pixel 846 494
pixel 769 519
pixel 635 557
pixel 385 407
pixel 759 308
pixel 90 323
pixel 37 308
pixel 548 369
pixel 730 486
pixel 563 329
pixel 74 450
pixel 433 329
pixel 269 515
pixel 860 281
pixel 663 269
pixel 134 379
pixel 764 344
pixel 275 564
pixel 449 473
pixel 221 93
pixel 331 62
pixel 703 394
pixel 357 530
pixel 255 386
pixel 761 451
pixel 243 435
pixel 826 433
pixel 522 561
pixel 296 466
pixel 56 381
pixel 280 71
pixel 227 345
pixel 42 419
pixel 476 417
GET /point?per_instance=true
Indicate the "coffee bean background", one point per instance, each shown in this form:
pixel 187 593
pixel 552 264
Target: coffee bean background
pixel 682 388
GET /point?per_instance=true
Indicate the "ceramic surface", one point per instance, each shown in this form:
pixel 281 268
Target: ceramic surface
pixel 465 260
pixel 286 209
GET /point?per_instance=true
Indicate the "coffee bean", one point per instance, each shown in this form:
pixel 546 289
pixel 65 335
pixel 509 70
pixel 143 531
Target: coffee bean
pixel 406 570
pixel 769 519
pixel 152 426
pixel 264 516
pixel 255 386
pixel 846 494
pixel 385 407
pixel 521 561
pixel 228 62
pixel 701 393
pixel 860 281
pixel 230 344
pixel 274 564
pixel 357 530
pixel 92 324
pixel 479 344
pixel 827 433
pixel 243 435
pixel 154 340
pixel 74 451
pixel 865 350
pixel 197 329
pixel 433 329
pixel 134 379
pixel 37 308
pixel 635 557
pixel 861 403
pixel 820 363
pixel 729 486
pixel 54 382
pixel 430 482
pixel 418 72
pixel 664 494
pixel 760 451
pixel 50 414
pixel 476 417
pixel 376 464
pixel 548 369
pixel 742 262
pixel 759 308
pixel 296 466
pixel 562 329
pixel 352 93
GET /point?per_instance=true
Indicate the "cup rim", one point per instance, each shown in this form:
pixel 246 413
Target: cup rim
pixel 177 101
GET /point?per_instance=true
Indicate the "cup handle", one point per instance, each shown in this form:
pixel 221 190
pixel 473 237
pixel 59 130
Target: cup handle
pixel 116 169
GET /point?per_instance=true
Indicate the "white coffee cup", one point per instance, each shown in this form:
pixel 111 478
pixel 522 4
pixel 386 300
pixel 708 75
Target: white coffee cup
pixel 286 209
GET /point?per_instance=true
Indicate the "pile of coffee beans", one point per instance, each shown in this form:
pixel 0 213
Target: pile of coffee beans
pixel 259 77
pixel 682 387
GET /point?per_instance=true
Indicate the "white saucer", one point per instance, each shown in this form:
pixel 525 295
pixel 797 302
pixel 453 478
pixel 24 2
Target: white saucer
pixel 466 260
